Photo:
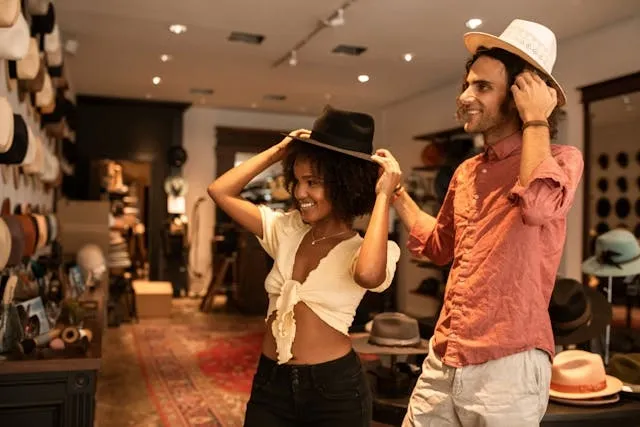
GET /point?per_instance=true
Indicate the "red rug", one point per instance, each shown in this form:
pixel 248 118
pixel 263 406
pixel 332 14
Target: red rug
pixel 198 375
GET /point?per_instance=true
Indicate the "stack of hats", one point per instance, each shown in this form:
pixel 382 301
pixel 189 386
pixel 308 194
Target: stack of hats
pixel 118 252
pixel 578 378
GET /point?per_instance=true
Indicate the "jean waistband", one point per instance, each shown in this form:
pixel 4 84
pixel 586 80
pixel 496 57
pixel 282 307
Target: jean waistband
pixel 325 368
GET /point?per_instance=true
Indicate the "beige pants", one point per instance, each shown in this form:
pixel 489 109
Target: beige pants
pixel 512 392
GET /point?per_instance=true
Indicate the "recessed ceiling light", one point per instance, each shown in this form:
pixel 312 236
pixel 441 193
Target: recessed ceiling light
pixel 408 57
pixel 363 78
pixel 165 57
pixel 178 28
pixel 156 80
pixel 473 23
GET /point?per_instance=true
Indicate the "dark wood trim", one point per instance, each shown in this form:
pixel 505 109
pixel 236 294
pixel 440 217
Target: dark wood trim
pixel 441 136
pixel 610 88
pixel 121 102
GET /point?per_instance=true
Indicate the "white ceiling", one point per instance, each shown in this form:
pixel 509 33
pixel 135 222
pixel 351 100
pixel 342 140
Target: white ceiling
pixel 120 43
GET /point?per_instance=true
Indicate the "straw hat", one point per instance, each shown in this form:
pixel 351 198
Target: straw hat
pixel 6 125
pixel 9 11
pixel 5 243
pixel 531 41
pixel 578 374
pixel 14 40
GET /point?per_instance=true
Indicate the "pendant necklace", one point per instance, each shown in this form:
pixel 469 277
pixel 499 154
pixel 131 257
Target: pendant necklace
pixel 314 240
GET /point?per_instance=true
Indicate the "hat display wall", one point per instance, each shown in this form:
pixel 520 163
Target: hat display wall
pixel 391 333
pixel 578 313
pixel 531 41
pixel 9 11
pixel 14 40
pixel 580 375
pixel 346 132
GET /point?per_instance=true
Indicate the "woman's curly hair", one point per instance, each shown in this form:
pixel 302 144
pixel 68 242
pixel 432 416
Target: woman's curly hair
pixel 349 182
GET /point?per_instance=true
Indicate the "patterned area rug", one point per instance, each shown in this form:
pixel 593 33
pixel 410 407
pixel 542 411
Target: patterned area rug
pixel 199 375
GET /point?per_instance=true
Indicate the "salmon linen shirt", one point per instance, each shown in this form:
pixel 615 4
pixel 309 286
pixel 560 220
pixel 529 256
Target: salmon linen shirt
pixel 506 241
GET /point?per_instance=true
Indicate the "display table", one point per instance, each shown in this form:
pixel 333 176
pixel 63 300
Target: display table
pixel 625 413
pixel 58 388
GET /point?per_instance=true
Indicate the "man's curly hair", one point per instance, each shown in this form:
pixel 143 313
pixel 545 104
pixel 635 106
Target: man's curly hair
pixel 349 182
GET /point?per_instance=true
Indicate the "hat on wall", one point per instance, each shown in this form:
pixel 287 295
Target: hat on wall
pixel 6 125
pixel 5 243
pixel 14 40
pixel 9 11
pixel 19 144
pixel 392 333
pixel 617 254
pixel 346 132
pixel 579 374
pixel 531 41
pixel 578 313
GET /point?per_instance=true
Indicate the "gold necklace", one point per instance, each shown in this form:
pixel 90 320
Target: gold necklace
pixel 314 240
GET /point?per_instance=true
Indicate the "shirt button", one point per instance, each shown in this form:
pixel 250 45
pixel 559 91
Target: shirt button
pixel 484 171
pixel 476 197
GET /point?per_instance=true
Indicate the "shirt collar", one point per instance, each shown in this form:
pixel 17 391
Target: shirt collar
pixel 504 148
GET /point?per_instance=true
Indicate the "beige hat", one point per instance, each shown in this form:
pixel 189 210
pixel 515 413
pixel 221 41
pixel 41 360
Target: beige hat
pixel 531 41
pixel 32 147
pixel 9 11
pixel 55 57
pixel 6 125
pixel 46 96
pixel 5 242
pixel 27 67
pixel 579 374
pixel 36 166
pixel 14 40
pixel 38 7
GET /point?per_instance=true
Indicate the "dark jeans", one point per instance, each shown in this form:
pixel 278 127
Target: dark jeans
pixel 330 394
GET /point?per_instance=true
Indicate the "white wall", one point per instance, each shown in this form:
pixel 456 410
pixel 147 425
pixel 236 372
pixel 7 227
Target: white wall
pixel 598 56
pixel 200 143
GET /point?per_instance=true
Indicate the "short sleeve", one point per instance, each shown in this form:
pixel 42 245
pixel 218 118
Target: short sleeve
pixel 393 255
pixel 276 225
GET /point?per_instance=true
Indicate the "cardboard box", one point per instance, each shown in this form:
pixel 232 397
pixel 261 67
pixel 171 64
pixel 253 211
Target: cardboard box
pixel 153 299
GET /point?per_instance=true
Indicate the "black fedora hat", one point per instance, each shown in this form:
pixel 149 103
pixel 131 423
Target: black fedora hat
pixel 578 313
pixel 347 132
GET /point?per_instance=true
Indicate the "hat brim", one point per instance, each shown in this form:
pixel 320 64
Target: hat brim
pixel 474 40
pixel 601 314
pixel 608 400
pixel 593 267
pixel 361 345
pixel 614 386
pixel 332 148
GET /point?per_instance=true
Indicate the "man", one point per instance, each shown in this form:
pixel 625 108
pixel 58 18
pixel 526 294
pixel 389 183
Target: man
pixel 503 224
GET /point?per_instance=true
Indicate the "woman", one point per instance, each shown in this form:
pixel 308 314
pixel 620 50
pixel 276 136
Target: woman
pixel 308 374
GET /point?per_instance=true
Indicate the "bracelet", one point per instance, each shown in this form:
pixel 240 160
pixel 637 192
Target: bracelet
pixel 535 123
pixel 397 192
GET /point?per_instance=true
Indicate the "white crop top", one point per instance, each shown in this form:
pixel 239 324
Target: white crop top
pixel 329 290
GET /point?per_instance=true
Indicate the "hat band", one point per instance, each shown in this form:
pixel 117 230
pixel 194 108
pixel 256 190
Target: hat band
pixel 579 388
pixel 606 257
pixel 394 342
pixel 585 317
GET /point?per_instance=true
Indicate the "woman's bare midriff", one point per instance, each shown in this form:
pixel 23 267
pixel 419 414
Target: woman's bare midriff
pixel 315 341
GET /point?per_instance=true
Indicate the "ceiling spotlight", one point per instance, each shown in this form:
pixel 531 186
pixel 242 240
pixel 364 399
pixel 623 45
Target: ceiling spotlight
pixel 336 20
pixel 156 80
pixel 165 58
pixel 363 78
pixel 473 23
pixel 408 57
pixel 178 28
pixel 293 58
